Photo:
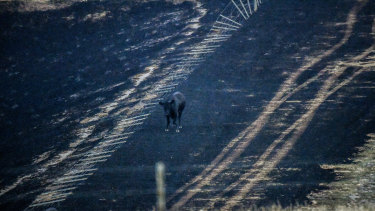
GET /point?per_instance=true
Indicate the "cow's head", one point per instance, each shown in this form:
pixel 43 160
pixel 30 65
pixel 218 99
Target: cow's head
pixel 168 107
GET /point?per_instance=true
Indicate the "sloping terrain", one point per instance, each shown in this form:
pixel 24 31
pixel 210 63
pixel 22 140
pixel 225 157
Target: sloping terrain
pixel 288 91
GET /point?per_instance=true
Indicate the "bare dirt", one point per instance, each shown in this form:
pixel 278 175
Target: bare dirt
pixel 289 93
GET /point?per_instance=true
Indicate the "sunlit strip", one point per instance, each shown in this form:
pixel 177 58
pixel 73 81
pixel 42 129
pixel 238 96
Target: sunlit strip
pixel 218 35
pixel 248 4
pixel 218 40
pixel 239 10
pixel 256 5
pixel 228 25
pixel 198 52
pixel 224 28
pixel 235 22
pixel 243 6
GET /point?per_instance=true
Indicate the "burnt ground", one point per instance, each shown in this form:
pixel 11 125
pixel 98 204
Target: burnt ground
pixel 225 96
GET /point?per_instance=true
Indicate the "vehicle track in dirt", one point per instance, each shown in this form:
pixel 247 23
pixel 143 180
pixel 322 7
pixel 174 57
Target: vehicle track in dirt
pixel 271 97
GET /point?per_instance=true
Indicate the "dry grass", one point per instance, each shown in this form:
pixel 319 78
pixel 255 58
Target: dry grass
pixel 35 5
pixel 356 181
pixel 44 5
pixel 317 208
pixel 354 189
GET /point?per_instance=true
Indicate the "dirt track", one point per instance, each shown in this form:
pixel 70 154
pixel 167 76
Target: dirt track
pixel 292 89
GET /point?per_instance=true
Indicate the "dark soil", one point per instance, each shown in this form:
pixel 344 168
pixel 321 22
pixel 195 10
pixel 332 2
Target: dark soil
pixel 46 60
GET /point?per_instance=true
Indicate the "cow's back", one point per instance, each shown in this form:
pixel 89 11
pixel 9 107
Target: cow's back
pixel 179 99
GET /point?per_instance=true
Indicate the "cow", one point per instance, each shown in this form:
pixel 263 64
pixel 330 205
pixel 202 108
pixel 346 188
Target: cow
pixel 173 107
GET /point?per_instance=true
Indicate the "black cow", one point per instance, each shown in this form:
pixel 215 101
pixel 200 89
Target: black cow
pixel 173 108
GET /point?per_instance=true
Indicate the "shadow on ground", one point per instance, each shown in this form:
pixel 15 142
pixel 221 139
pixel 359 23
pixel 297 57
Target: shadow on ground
pixel 224 96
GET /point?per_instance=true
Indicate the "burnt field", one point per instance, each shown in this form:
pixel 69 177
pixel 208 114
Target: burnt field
pixel 272 96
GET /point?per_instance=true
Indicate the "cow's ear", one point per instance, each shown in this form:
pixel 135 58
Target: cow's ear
pixel 171 101
pixel 161 103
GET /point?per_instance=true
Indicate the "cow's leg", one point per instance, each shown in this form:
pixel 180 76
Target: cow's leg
pixel 179 119
pixel 167 128
pixel 174 123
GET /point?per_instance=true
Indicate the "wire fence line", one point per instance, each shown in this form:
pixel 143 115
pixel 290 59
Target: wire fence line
pixel 128 121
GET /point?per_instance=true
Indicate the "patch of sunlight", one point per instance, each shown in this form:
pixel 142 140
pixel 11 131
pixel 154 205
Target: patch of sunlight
pixel 139 78
pixel 44 5
pixel 94 17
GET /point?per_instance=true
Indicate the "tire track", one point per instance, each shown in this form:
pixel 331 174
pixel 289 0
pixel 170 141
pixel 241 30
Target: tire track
pixel 263 167
pixel 236 146
pixel 265 163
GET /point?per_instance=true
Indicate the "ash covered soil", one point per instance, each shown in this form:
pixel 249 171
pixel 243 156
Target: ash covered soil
pixel 290 91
